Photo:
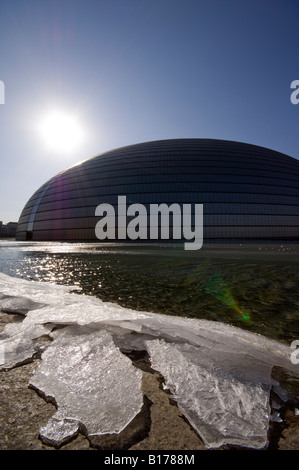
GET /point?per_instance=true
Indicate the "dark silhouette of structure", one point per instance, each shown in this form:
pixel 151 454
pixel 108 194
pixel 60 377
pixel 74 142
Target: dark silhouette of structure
pixel 247 191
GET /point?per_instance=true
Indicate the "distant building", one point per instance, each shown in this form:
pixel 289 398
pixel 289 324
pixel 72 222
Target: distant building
pixel 247 192
pixel 8 230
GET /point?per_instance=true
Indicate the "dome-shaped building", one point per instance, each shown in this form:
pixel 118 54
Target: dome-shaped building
pixel 247 192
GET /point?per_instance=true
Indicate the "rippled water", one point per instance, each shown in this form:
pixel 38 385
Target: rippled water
pixel 253 286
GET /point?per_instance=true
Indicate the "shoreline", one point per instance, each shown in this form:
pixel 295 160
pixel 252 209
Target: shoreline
pixel 159 426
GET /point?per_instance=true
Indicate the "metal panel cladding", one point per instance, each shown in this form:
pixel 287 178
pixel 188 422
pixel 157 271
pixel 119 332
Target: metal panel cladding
pixel 247 192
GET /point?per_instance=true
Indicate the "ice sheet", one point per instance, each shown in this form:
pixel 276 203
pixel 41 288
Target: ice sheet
pixel 226 405
pixel 220 375
pixel 17 343
pixel 20 305
pixel 91 381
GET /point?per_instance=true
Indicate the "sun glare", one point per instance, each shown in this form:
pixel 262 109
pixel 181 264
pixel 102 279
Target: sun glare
pixel 60 132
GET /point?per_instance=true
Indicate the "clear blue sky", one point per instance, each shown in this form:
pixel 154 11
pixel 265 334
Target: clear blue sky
pixel 139 70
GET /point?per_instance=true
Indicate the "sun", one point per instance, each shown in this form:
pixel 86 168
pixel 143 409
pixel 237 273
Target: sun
pixel 61 131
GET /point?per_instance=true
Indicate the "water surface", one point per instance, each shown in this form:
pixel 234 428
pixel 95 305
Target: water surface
pixel 253 286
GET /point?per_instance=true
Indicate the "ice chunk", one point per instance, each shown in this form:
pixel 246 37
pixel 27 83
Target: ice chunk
pixel 84 310
pixel 91 381
pixel 18 343
pixel 275 417
pixel 224 403
pixel 44 292
pixel 20 305
pixel 59 430
pixel 207 334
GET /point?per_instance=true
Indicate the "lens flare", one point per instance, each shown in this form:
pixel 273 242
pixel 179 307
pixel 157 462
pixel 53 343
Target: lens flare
pixel 217 287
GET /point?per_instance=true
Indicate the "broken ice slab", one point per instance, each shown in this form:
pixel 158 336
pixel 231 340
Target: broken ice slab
pixel 18 343
pixel 85 310
pixel 18 304
pixel 31 293
pixel 224 404
pixel 90 380
pixel 59 431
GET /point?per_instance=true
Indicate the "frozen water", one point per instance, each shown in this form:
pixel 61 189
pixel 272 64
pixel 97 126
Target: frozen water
pixel 220 375
pixel 18 343
pixel 59 430
pixel 91 380
pixel 43 292
pixel 20 305
pixel 221 402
